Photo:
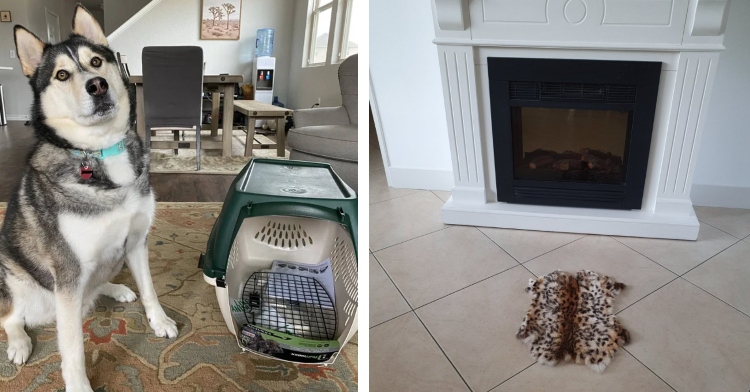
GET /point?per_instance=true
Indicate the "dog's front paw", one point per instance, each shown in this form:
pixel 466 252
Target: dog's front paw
pixel 79 386
pixel 163 326
pixel 119 292
pixel 19 349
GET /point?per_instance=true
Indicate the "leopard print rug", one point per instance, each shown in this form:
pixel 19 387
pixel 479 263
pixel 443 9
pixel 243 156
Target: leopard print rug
pixel 571 318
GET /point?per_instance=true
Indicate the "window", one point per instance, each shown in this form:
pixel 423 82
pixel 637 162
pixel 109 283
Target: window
pixel 322 11
pixel 331 37
pixel 350 40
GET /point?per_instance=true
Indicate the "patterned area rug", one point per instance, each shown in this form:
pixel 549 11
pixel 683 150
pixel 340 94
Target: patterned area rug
pixel 122 353
pixel 165 161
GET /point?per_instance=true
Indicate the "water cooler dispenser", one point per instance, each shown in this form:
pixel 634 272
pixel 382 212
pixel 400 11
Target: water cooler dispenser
pixel 263 68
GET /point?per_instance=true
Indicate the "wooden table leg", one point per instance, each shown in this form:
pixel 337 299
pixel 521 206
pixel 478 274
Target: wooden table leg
pixel 280 137
pixel 140 113
pixel 250 135
pixel 215 104
pixel 228 117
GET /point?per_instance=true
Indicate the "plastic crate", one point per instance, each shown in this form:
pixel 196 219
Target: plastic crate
pixel 295 213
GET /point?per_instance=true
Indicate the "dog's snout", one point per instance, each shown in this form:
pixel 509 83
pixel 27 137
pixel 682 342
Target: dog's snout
pixel 96 86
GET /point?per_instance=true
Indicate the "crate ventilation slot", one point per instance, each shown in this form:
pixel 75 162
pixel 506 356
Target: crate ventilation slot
pixel 344 263
pixel 284 235
pixel 297 305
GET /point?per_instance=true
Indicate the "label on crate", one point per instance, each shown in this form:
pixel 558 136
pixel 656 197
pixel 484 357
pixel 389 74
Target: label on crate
pixel 285 346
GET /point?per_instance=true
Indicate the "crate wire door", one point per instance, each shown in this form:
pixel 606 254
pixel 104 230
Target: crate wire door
pixel 293 304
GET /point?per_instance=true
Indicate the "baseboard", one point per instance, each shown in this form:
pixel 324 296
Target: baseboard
pixel 18 117
pixel 720 196
pixel 429 179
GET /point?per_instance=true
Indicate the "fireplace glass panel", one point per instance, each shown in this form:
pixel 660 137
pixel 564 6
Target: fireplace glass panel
pixel 581 145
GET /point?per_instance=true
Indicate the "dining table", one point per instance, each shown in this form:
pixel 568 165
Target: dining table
pixel 214 84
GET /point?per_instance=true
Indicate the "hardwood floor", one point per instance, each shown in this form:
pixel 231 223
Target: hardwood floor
pixel 16 141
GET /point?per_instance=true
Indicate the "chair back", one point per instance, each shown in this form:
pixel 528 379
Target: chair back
pixel 348 84
pixel 173 86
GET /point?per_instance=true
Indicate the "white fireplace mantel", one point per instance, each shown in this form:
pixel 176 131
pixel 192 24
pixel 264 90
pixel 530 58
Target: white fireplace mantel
pixel 685 35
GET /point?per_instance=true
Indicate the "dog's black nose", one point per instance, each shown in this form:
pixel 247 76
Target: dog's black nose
pixel 96 86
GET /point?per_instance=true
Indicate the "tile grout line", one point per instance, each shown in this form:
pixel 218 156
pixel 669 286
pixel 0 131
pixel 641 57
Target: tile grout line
pixel 391 319
pixel 706 223
pixel 678 276
pixel 648 258
pixel 645 296
pixel 561 246
pixel 710 258
pixel 508 379
pixel 393 282
pixel 409 194
pixel 466 287
pixel 649 369
pixel 443 351
pixel 411 239
pixel 709 293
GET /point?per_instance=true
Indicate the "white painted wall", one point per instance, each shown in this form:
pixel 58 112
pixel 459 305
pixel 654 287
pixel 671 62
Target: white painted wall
pixel 117 12
pixel 30 14
pixel 310 83
pixel 16 87
pixel 722 177
pixel 177 22
pixel 406 84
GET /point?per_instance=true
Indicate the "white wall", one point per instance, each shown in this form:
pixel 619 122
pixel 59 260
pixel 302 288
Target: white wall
pixel 310 83
pixel 30 14
pixel 117 12
pixel 722 177
pixel 406 84
pixel 177 22
pixel 16 87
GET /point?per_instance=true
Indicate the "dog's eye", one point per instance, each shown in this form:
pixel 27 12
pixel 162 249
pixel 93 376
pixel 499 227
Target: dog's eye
pixel 96 62
pixel 62 75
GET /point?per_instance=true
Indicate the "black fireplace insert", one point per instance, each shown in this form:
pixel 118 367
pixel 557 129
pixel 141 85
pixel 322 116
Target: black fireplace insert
pixel 574 133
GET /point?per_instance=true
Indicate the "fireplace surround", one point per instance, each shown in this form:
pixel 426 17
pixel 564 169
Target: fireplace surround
pixel 683 36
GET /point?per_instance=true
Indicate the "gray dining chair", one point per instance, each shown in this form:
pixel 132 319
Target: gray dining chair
pixel 173 92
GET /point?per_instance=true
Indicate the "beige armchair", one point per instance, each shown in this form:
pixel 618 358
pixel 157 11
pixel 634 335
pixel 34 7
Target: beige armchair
pixel 330 134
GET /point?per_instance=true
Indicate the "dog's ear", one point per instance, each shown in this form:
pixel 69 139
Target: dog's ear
pixel 29 48
pixel 86 26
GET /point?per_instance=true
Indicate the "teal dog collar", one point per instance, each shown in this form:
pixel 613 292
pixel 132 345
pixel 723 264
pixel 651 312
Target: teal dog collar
pixel 103 153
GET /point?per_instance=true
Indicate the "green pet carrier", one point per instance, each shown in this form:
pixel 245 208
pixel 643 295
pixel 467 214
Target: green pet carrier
pixel 283 258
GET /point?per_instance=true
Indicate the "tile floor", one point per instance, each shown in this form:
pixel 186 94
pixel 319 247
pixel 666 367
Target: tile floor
pixel 446 302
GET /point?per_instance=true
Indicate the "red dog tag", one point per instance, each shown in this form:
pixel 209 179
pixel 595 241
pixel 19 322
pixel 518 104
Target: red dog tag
pixel 86 172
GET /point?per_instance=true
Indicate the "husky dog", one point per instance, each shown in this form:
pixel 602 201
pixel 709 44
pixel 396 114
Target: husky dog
pixel 84 204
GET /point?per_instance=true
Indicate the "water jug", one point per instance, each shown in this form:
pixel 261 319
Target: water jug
pixel 264 43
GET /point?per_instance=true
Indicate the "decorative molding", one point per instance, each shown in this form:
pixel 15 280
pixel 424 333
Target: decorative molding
pixel 710 18
pixel 691 93
pixel 644 13
pixel 138 15
pixel 511 11
pixel 450 14
pixel 459 88
pixel 575 11
pixel 643 47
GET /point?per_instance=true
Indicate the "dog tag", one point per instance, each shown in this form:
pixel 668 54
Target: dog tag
pixel 86 172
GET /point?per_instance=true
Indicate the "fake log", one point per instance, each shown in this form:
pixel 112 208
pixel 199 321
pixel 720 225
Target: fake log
pixel 542 162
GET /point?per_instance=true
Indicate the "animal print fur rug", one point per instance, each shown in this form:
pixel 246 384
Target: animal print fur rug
pixel 571 318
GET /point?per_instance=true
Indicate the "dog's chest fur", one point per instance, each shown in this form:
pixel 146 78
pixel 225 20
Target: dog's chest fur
pixel 100 241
